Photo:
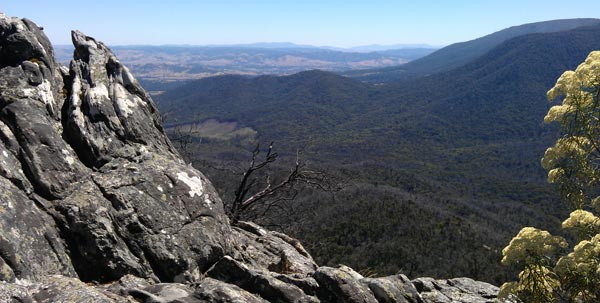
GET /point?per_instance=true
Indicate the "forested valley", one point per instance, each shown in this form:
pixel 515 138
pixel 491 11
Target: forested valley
pixel 436 172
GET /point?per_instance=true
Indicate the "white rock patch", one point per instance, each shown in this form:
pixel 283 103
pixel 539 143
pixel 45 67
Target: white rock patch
pixel 208 203
pixel 95 96
pixel 194 183
pixel 70 160
pixel 46 92
pixel 160 189
pixel 5 154
pixel 42 92
pixel 125 102
pixel 76 103
pixel 20 26
pixel 98 92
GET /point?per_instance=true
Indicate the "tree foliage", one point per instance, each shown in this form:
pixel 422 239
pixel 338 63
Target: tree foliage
pixel 550 271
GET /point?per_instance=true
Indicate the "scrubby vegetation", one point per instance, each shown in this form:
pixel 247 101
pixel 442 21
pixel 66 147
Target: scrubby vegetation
pixel 551 271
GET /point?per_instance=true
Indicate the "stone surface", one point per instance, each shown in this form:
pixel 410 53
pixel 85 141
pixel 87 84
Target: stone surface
pixel 268 287
pixel 97 206
pixel 276 251
pixel 59 289
pixel 215 291
pixel 89 176
pixel 455 290
pixel 342 285
pixel 109 114
pixel 396 288
pixel 13 293
pixel 163 293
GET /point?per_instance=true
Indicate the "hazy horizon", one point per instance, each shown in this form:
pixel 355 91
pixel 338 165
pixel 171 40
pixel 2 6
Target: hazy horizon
pixel 339 24
pixel 278 44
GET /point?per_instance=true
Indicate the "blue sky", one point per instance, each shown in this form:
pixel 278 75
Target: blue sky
pixel 335 23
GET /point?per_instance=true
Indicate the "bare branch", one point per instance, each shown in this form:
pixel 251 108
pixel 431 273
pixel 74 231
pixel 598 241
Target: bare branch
pixel 271 195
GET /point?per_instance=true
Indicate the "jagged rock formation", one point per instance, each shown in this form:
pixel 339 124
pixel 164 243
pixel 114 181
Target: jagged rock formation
pixel 97 206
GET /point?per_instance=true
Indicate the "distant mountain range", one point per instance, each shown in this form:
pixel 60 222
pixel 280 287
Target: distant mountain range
pixel 380 48
pixel 370 63
pixel 459 54
pixel 454 149
pixel 184 62
pixel 360 48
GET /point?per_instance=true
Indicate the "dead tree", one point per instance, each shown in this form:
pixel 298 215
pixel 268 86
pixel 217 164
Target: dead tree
pixel 184 136
pixel 264 193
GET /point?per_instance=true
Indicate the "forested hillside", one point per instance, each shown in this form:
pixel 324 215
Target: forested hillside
pixel 440 171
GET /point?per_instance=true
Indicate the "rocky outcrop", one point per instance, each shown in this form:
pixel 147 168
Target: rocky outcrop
pixel 341 286
pixel 97 206
pixel 396 288
pixel 86 162
pixel 455 290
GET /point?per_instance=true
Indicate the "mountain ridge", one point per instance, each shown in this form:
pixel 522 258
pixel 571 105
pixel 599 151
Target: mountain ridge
pixel 457 54
pixel 181 62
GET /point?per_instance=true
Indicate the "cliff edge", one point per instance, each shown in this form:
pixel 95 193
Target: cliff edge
pixel 97 206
